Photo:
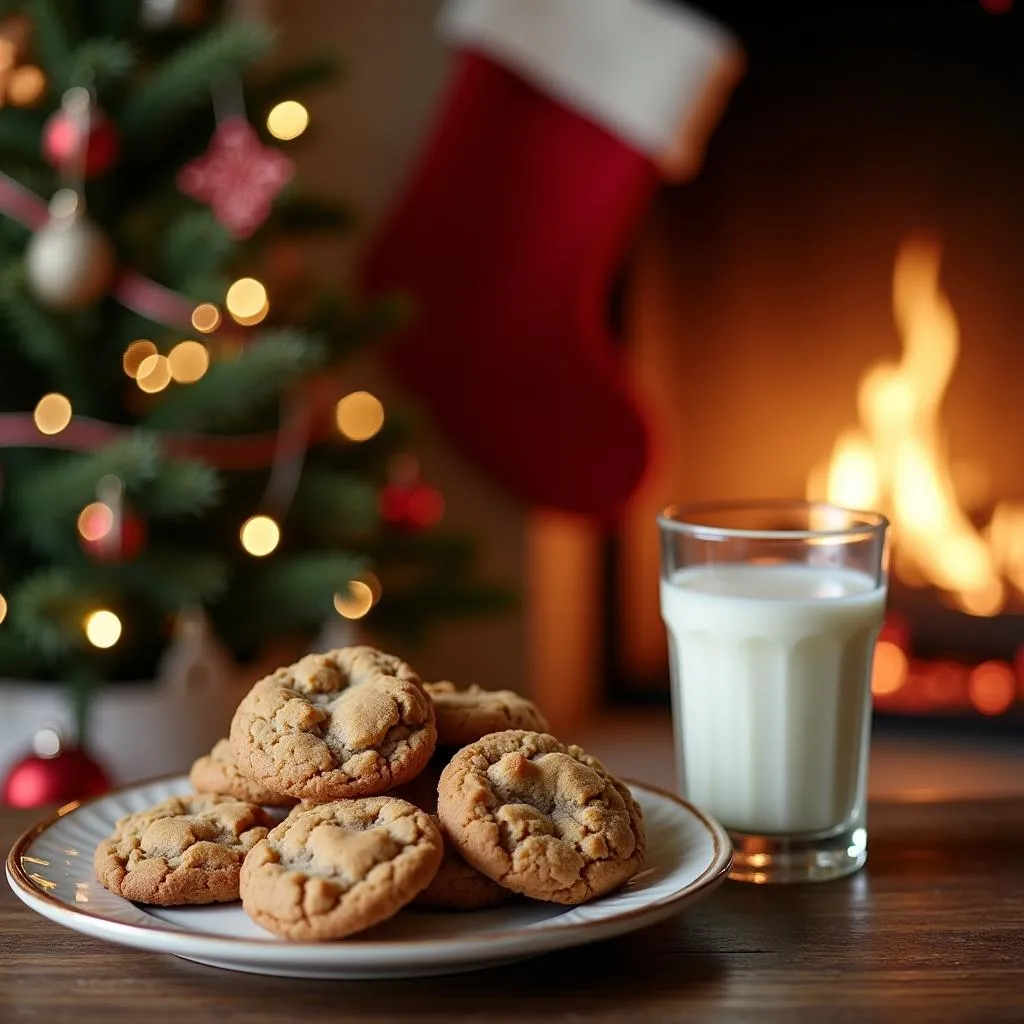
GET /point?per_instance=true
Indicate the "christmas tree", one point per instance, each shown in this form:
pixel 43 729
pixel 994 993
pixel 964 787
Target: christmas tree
pixel 177 429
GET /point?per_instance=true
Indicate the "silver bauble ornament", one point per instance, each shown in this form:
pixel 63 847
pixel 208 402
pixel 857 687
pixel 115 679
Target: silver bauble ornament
pixel 69 262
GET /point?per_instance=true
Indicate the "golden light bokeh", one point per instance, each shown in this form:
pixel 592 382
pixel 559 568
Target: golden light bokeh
pixel 26 85
pixel 102 628
pixel 260 535
pixel 188 361
pixel 247 302
pixel 52 413
pixel 288 120
pixel 154 374
pixel 3 607
pixel 355 601
pixel 206 318
pixel 889 671
pixel 992 687
pixel 373 583
pixel 359 415
pixel 95 521
pixel 135 354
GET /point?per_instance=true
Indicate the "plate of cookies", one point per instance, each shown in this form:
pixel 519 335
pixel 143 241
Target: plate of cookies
pixel 360 823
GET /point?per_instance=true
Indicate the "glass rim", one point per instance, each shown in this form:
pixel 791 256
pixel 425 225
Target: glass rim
pixel 685 519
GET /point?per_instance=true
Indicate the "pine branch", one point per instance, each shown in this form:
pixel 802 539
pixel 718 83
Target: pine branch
pixel 45 611
pixel 196 244
pixel 103 63
pixel 183 487
pixel 38 333
pixel 332 506
pixel 186 77
pixel 172 577
pixel 19 136
pixel 233 390
pixel 50 42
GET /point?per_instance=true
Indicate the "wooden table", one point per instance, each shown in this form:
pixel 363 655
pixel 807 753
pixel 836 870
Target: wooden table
pixel 931 930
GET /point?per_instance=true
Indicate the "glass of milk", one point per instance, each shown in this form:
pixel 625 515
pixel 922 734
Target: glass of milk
pixel 772 611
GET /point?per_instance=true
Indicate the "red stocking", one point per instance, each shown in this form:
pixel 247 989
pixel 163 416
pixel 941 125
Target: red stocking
pixel 545 156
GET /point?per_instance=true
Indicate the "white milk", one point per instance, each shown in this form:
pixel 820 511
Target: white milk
pixel 771 679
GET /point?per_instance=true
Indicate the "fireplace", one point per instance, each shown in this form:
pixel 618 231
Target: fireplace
pixel 834 308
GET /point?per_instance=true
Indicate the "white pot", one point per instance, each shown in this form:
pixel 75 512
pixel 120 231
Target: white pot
pixel 136 730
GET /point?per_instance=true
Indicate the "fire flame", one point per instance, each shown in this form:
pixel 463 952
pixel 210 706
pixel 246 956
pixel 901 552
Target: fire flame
pixel 896 457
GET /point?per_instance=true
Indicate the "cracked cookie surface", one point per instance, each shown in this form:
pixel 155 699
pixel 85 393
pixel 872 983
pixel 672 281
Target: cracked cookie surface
pixel 540 818
pixel 459 886
pixel 339 868
pixel 185 850
pixel 217 772
pixel 347 723
pixel 463 716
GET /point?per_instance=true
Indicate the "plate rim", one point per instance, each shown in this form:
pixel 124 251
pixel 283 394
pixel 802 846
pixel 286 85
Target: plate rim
pixel 713 875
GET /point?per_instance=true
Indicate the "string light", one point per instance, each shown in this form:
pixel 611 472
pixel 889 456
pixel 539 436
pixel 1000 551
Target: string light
pixel 355 602
pixel 206 318
pixel 154 374
pixel 188 361
pixel 95 521
pixel 102 628
pixel 373 583
pixel 26 86
pixel 991 687
pixel 246 301
pixel 136 354
pixel 3 607
pixel 52 414
pixel 288 120
pixel 260 535
pixel 359 415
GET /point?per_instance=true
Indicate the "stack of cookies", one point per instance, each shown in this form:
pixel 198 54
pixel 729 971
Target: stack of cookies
pixel 399 792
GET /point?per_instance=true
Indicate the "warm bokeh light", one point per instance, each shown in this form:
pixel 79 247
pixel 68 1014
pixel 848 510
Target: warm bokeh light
pixel 46 743
pixel 102 628
pixel 355 602
pixel 95 521
pixel 206 318
pixel 188 361
pixel 154 374
pixel 52 414
pixel 991 687
pixel 247 302
pixel 288 120
pixel 3 607
pixel 889 671
pixel 373 583
pixel 260 535
pixel 26 86
pixel 136 354
pixel 359 415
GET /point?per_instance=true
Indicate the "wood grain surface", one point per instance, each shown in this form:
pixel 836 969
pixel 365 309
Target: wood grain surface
pixel 931 930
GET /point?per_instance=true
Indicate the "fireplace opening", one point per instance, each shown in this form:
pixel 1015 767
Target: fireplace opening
pixel 835 308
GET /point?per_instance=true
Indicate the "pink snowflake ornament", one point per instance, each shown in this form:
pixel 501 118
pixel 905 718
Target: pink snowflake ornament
pixel 238 177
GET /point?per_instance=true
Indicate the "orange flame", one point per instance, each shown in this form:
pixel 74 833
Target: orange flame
pixel 896 458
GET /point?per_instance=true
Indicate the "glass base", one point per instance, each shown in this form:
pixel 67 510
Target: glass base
pixel 768 859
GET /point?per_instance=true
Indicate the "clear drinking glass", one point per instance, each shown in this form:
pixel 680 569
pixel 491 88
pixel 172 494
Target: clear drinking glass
pixel 772 611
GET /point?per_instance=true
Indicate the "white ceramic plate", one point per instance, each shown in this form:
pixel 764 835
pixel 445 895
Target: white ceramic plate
pixel 50 869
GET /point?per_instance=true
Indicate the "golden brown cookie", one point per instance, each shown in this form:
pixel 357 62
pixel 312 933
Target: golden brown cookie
pixel 216 772
pixel 540 818
pixel 347 723
pixel 463 716
pixel 459 886
pixel 339 868
pixel 185 850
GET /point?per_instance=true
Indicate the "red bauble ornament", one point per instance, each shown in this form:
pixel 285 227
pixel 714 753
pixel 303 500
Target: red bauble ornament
pixel 69 774
pixel 414 507
pixel 68 132
pixel 104 540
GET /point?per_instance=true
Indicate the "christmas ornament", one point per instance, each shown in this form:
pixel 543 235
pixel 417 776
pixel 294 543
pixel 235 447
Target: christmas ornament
pixel 572 111
pixel 53 774
pixel 106 540
pixel 406 501
pixel 161 14
pixel 69 261
pixel 238 177
pixel 79 140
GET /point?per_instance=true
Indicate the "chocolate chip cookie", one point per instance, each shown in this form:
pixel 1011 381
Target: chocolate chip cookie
pixel 216 772
pixel 540 818
pixel 463 716
pixel 339 868
pixel 185 850
pixel 351 722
